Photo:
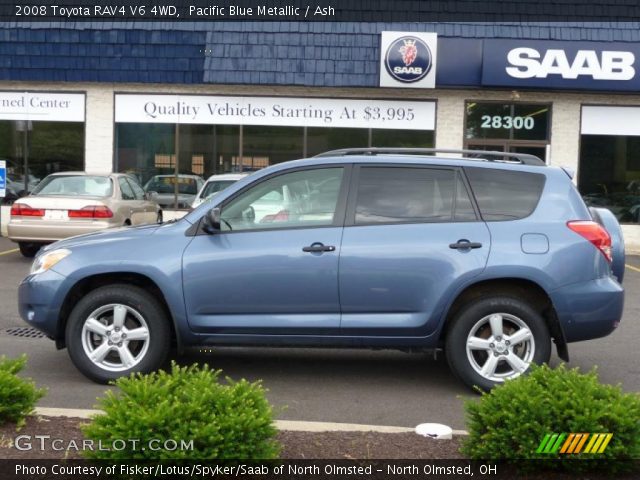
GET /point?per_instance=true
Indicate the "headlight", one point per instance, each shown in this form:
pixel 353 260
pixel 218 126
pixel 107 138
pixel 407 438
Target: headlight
pixel 47 260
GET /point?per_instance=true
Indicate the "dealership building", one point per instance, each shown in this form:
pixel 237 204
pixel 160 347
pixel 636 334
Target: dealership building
pixel 213 97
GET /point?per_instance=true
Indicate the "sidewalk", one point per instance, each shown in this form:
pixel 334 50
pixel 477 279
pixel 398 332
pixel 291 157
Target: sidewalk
pixel 289 425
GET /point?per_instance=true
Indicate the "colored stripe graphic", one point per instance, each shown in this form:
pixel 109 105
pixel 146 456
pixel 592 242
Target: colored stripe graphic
pixel 543 443
pixel 582 442
pixel 567 444
pixel 608 438
pixel 573 443
pixel 590 444
pixel 551 443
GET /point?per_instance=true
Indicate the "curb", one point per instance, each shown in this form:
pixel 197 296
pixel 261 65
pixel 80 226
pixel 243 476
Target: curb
pixel 288 425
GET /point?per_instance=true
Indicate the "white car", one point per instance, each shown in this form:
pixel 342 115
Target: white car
pixel 215 184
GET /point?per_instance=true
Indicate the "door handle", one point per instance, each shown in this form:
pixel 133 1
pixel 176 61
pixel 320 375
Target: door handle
pixel 465 245
pixel 318 247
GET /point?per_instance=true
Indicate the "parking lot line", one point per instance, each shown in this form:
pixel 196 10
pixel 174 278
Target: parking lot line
pixel 6 252
pixel 635 269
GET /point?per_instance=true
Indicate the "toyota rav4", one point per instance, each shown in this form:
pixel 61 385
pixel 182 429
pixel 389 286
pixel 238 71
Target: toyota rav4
pixel 487 255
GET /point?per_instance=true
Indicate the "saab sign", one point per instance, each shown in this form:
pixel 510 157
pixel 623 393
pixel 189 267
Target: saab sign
pixel 606 65
pixel 408 59
pixel 569 65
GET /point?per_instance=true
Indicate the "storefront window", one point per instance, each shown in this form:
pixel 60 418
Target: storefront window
pixel 609 174
pixel 402 138
pixel 325 139
pixel 50 147
pixel 226 143
pixel 145 149
pixel 264 146
pixel 196 149
pixel 508 127
pixel 507 121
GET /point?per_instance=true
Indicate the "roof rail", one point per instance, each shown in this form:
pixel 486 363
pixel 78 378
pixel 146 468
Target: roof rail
pixel 481 155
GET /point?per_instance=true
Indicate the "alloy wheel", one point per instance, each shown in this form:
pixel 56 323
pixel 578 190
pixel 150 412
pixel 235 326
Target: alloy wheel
pixel 500 346
pixel 115 337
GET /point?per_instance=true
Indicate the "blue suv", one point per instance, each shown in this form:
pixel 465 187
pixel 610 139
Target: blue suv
pixel 487 255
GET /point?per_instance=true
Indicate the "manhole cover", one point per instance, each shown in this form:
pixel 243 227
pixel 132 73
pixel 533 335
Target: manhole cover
pixel 26 332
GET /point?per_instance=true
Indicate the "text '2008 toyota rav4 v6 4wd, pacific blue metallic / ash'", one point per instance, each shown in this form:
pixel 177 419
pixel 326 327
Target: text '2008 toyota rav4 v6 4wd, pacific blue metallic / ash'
pixel 487 255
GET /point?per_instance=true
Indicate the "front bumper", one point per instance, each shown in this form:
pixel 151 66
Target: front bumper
pixel 40 298
pixel 590 309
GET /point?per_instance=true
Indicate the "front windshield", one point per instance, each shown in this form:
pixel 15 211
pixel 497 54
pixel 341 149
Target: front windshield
pixel 75 186
pixel 165 184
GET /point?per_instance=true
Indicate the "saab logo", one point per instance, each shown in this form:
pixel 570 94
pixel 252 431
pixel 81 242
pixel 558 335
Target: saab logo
pixel 408 59
pixel 574 442
pixel 606 65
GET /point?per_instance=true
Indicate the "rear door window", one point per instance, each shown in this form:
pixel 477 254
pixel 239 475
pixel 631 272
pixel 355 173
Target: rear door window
pixel 505 194
pixel 409 195
pixel 125 189
pixel 138 192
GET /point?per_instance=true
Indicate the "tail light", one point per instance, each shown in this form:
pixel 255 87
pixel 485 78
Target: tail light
pixel 595 233
pixel 22 210
pixel 99 211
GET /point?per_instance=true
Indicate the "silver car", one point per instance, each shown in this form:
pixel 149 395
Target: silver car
pixel 73 203
pixel 165 186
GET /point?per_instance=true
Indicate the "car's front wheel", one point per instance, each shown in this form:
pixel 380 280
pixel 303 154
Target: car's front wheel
pixel 495 339
pixel 117 330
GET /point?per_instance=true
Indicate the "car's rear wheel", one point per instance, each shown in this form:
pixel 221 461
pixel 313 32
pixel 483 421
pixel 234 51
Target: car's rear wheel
pixel 29 250
pixel 496 339
pixel 117 330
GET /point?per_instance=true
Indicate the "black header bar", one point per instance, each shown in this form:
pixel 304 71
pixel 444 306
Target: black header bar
pixel 401 11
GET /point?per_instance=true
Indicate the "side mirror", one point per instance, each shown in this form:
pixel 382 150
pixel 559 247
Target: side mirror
pixel 212 221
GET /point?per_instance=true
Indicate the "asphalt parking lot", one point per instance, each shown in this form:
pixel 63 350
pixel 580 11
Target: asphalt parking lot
pixel 381 387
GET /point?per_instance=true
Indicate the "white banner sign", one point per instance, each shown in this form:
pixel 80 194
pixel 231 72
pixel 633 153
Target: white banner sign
pixel 36 106
pixel 601 120
pixel 275 111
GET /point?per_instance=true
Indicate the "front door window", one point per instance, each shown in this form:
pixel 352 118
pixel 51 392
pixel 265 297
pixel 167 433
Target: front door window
pixel 304 198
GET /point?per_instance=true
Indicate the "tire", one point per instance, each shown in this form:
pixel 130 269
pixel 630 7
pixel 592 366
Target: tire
pixel 473 363
pixel 102 338
pixel 29 250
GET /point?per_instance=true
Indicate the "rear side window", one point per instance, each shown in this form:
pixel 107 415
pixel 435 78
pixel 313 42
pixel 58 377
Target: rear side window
pixel 398 194
pixel 505 194
pixel 138 192
pixel 125 189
